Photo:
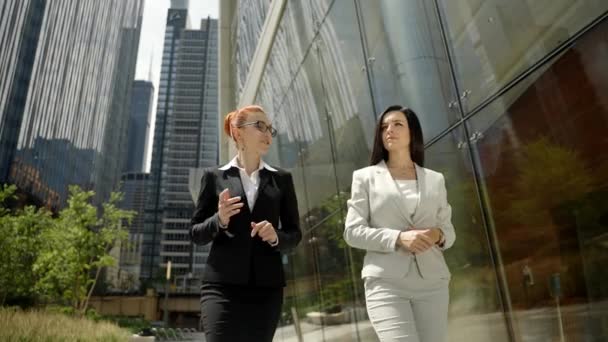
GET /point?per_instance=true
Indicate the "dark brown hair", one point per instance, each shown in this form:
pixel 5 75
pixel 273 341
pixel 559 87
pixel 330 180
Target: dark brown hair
pixel 416 140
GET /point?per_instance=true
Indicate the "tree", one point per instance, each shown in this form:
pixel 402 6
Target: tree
pixel 547 176
pixel 21 240
pixel 78 247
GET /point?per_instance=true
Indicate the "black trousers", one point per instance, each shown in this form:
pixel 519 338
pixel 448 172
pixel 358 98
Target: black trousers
pixel 233 313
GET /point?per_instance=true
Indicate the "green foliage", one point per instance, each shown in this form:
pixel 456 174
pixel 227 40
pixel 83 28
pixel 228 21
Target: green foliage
pixel 20 242
pixel 336 294
pixel 59 259
pixel 547 175
pixel 133 324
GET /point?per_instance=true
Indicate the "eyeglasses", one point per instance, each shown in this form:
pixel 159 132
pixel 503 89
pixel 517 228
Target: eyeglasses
pixel 261 126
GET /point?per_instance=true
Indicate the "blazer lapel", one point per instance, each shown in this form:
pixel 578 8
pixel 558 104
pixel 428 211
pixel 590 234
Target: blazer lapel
pixel 264 177
pixel 389 185
pixel 421 185
pixel 235 185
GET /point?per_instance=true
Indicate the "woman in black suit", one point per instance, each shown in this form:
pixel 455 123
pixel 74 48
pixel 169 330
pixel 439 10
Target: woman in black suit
pixel 248 210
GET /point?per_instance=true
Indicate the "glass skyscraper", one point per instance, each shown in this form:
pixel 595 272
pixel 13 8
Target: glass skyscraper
pixel 127 274
pixel 139 126
pixel 185 137
pixel 513 101
pixel 65 82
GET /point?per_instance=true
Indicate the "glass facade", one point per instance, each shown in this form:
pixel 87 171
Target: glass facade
pixel 513 99
pixel 249 22
pixel 134 187
pixel 139 126
pixel 20 23
pixel 66 69
pixel 185 137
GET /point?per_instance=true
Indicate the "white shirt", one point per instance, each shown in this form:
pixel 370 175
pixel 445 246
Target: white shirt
pixel 251 184
pixel 409 190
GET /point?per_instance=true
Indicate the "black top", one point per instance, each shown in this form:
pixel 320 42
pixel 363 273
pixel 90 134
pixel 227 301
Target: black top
pixel 237 258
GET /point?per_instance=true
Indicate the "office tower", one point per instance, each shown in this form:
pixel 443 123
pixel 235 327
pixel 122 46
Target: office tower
pixel 139 126
pixel 66 74
pixel 185 137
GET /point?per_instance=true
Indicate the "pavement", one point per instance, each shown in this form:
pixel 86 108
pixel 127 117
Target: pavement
pixel 580 322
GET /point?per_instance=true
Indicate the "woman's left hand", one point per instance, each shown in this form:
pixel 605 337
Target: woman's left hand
pixel 265 231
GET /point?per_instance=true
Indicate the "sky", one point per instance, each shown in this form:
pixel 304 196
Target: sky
pixel 150 51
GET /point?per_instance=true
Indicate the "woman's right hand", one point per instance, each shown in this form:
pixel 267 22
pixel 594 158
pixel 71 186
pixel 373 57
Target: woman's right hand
pixel 228 207
pixel 415 241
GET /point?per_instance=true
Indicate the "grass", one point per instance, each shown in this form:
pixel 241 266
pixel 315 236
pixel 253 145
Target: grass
pixel 25 326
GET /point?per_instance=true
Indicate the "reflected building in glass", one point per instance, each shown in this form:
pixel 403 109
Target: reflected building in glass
pixel 185 137
pixel 513 100
pixel 65 84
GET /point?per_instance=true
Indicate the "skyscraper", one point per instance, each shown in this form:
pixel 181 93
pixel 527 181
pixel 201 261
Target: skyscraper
pixel 66 74
pixel 133 185
pixel 185 137
pixel 139 126
pixel 20 23
pixel 127 274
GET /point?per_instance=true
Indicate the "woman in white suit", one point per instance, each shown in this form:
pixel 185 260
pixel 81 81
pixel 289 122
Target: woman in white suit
pixel 398 212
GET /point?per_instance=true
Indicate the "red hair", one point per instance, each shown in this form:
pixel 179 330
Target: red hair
pixel 238 117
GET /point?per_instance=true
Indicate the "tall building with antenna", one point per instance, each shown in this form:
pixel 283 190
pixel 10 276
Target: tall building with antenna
pixel 185 137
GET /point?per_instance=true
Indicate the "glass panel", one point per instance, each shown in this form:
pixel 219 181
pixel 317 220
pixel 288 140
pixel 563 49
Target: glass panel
pixel 476 312
pixel 298 117
pixel 350 121
pixel 303 18
pixel 297 30
pixel 324 103
pixel 494 41
pixel 542 151
pixel 345 89
pixel 408 63
pixel 310 125
pixel 252 14
pixel 302 294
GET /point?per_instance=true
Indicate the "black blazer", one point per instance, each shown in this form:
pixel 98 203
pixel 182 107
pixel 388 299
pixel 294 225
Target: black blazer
pixel 237 258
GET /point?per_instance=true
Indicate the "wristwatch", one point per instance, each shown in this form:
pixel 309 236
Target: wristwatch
pixel 441 238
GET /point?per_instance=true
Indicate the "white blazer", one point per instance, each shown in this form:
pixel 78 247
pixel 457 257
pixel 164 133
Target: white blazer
pixel 377 214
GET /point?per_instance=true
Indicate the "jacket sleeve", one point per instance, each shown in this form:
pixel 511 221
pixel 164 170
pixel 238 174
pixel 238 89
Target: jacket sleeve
pixel 357 232
pixel 205 221
pixel 290 234
pixel 444 217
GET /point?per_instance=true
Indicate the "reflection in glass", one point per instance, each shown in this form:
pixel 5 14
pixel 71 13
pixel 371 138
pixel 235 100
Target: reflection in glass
pixel 494 41
pixel 545 171
pixel 347 97
pixel 249 23
pixel 476 311
pixel 407 61
pixel 550 219
pixel 317 97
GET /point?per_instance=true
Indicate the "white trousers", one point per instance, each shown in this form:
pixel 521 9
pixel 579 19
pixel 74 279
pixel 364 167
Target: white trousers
pixel 410 309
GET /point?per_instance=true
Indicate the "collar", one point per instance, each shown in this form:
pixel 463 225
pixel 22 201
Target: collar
pixel 234 163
